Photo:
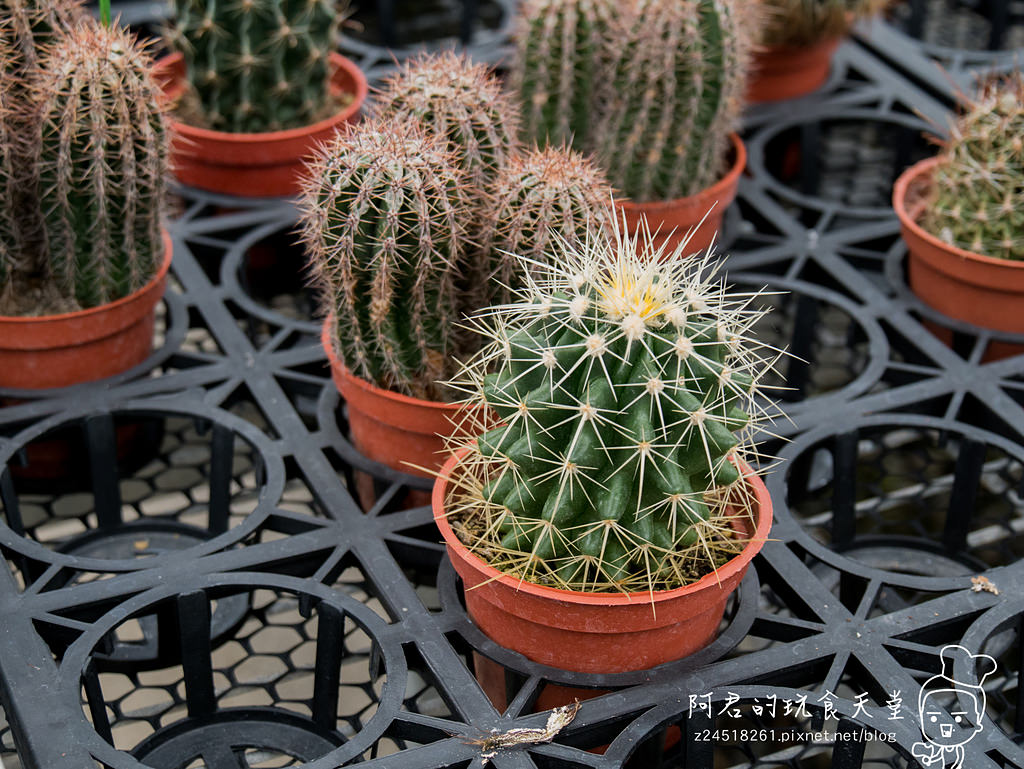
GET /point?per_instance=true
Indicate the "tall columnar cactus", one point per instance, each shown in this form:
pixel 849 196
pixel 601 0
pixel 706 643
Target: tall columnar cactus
pixel 672 95
pixel 459 100
pixel 257 65
pixel 625 380
pixel 977 198
pixel 537 197
pixel 560 52
pixel 100 163
pixel 799 23
pixel 384 220
pixel 11 249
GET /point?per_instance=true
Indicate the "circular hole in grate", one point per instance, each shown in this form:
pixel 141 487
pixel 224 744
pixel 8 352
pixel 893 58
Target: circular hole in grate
pixel 961 26
pixel 910 499
pixel 419 21
pixel 300 676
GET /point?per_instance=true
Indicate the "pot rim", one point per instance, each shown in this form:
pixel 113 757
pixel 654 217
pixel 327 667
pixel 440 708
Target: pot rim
pixel 730 179
pixel 731 568
pixel 327 341
pixel 163 67
pixel 908 217
pixel 161 273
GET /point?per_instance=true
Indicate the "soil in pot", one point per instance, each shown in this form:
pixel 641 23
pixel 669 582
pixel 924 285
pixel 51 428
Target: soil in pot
pixel 595 632
pixel 699 216
pixel 254 164
pixel 981 290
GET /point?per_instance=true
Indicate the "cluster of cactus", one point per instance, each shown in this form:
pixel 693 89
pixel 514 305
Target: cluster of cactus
pixel 560 54
pixel 537 197
pixel 385 228
pixel 627 389
pixel 800 23
pixel 83 176
pixel 651 87
pixel 977 190
pixel 460 101
pixel 258 65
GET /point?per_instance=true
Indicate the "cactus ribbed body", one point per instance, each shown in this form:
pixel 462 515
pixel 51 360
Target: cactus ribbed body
pixel 673 94
pixel 537 197
pixel 257 65
pixel 11 251
pixel 100 164
pixel 800 23
pixel 384 225
pixel 461 101
pixel 561 45
pixel 624 383
pixel 29 26
pixel 977 200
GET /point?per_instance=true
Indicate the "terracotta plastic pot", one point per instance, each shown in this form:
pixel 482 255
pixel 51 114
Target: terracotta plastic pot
pixel 778 74
pixel 396 430
pixel 981 290
pixel 253 165
pixel 673 219
pixel 598 632
pixel 82 346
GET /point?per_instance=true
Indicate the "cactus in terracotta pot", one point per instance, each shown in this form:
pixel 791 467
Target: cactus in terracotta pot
pixel 257 66
pixel 536 198
pixel 672 94
pixel 99 164
pixel 977 191
pixel 460 101
pixel 628 385
pixel 800 23
pixel 384 223
pixel 560 52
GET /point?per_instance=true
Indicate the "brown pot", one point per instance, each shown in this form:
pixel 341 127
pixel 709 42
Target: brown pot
pixel 253 165
pixel 595 632
pixel 784 73
pixel 82 346
pixel 701 213
pixel 980 290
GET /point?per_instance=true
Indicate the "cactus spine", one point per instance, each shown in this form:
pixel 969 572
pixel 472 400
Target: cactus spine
pixel 100 164
pixel 560 47
pixel 29 26
pixel 538 196
pixel 384 224
pixel 673 94
pixel 977 198
pixel 625 380
pixel 461 101
pixel 257 65
pixel 800 23
pixel 11 249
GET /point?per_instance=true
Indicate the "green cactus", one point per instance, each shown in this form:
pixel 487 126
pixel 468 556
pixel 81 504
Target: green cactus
pixel 384 211
pixel 257 65
pixel 100 164
pixel 461 101
pixel 673 93
pixel 977 195
pixel 560 50
pixel 29 26
pixel 538 196
pixel 11 250
pixel 625 380
pixel 800 23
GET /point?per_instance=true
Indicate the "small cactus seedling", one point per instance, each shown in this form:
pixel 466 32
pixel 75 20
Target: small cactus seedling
pixel 384 218
pixel 977 196
pixel 800 23
pixel 673 93
pixel 260 65
pixel 461 101
pixel 99 164
pixel 538 196
pixel 626 383
pixel 560 46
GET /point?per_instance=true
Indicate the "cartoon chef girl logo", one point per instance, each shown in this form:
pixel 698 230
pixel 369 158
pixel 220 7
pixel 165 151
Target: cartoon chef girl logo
pixel 951 710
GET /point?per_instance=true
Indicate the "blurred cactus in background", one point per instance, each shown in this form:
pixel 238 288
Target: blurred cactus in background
pixel 672 95
pixel 561 45
pixel 801 23
pixel 977 192
pixel 257 65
